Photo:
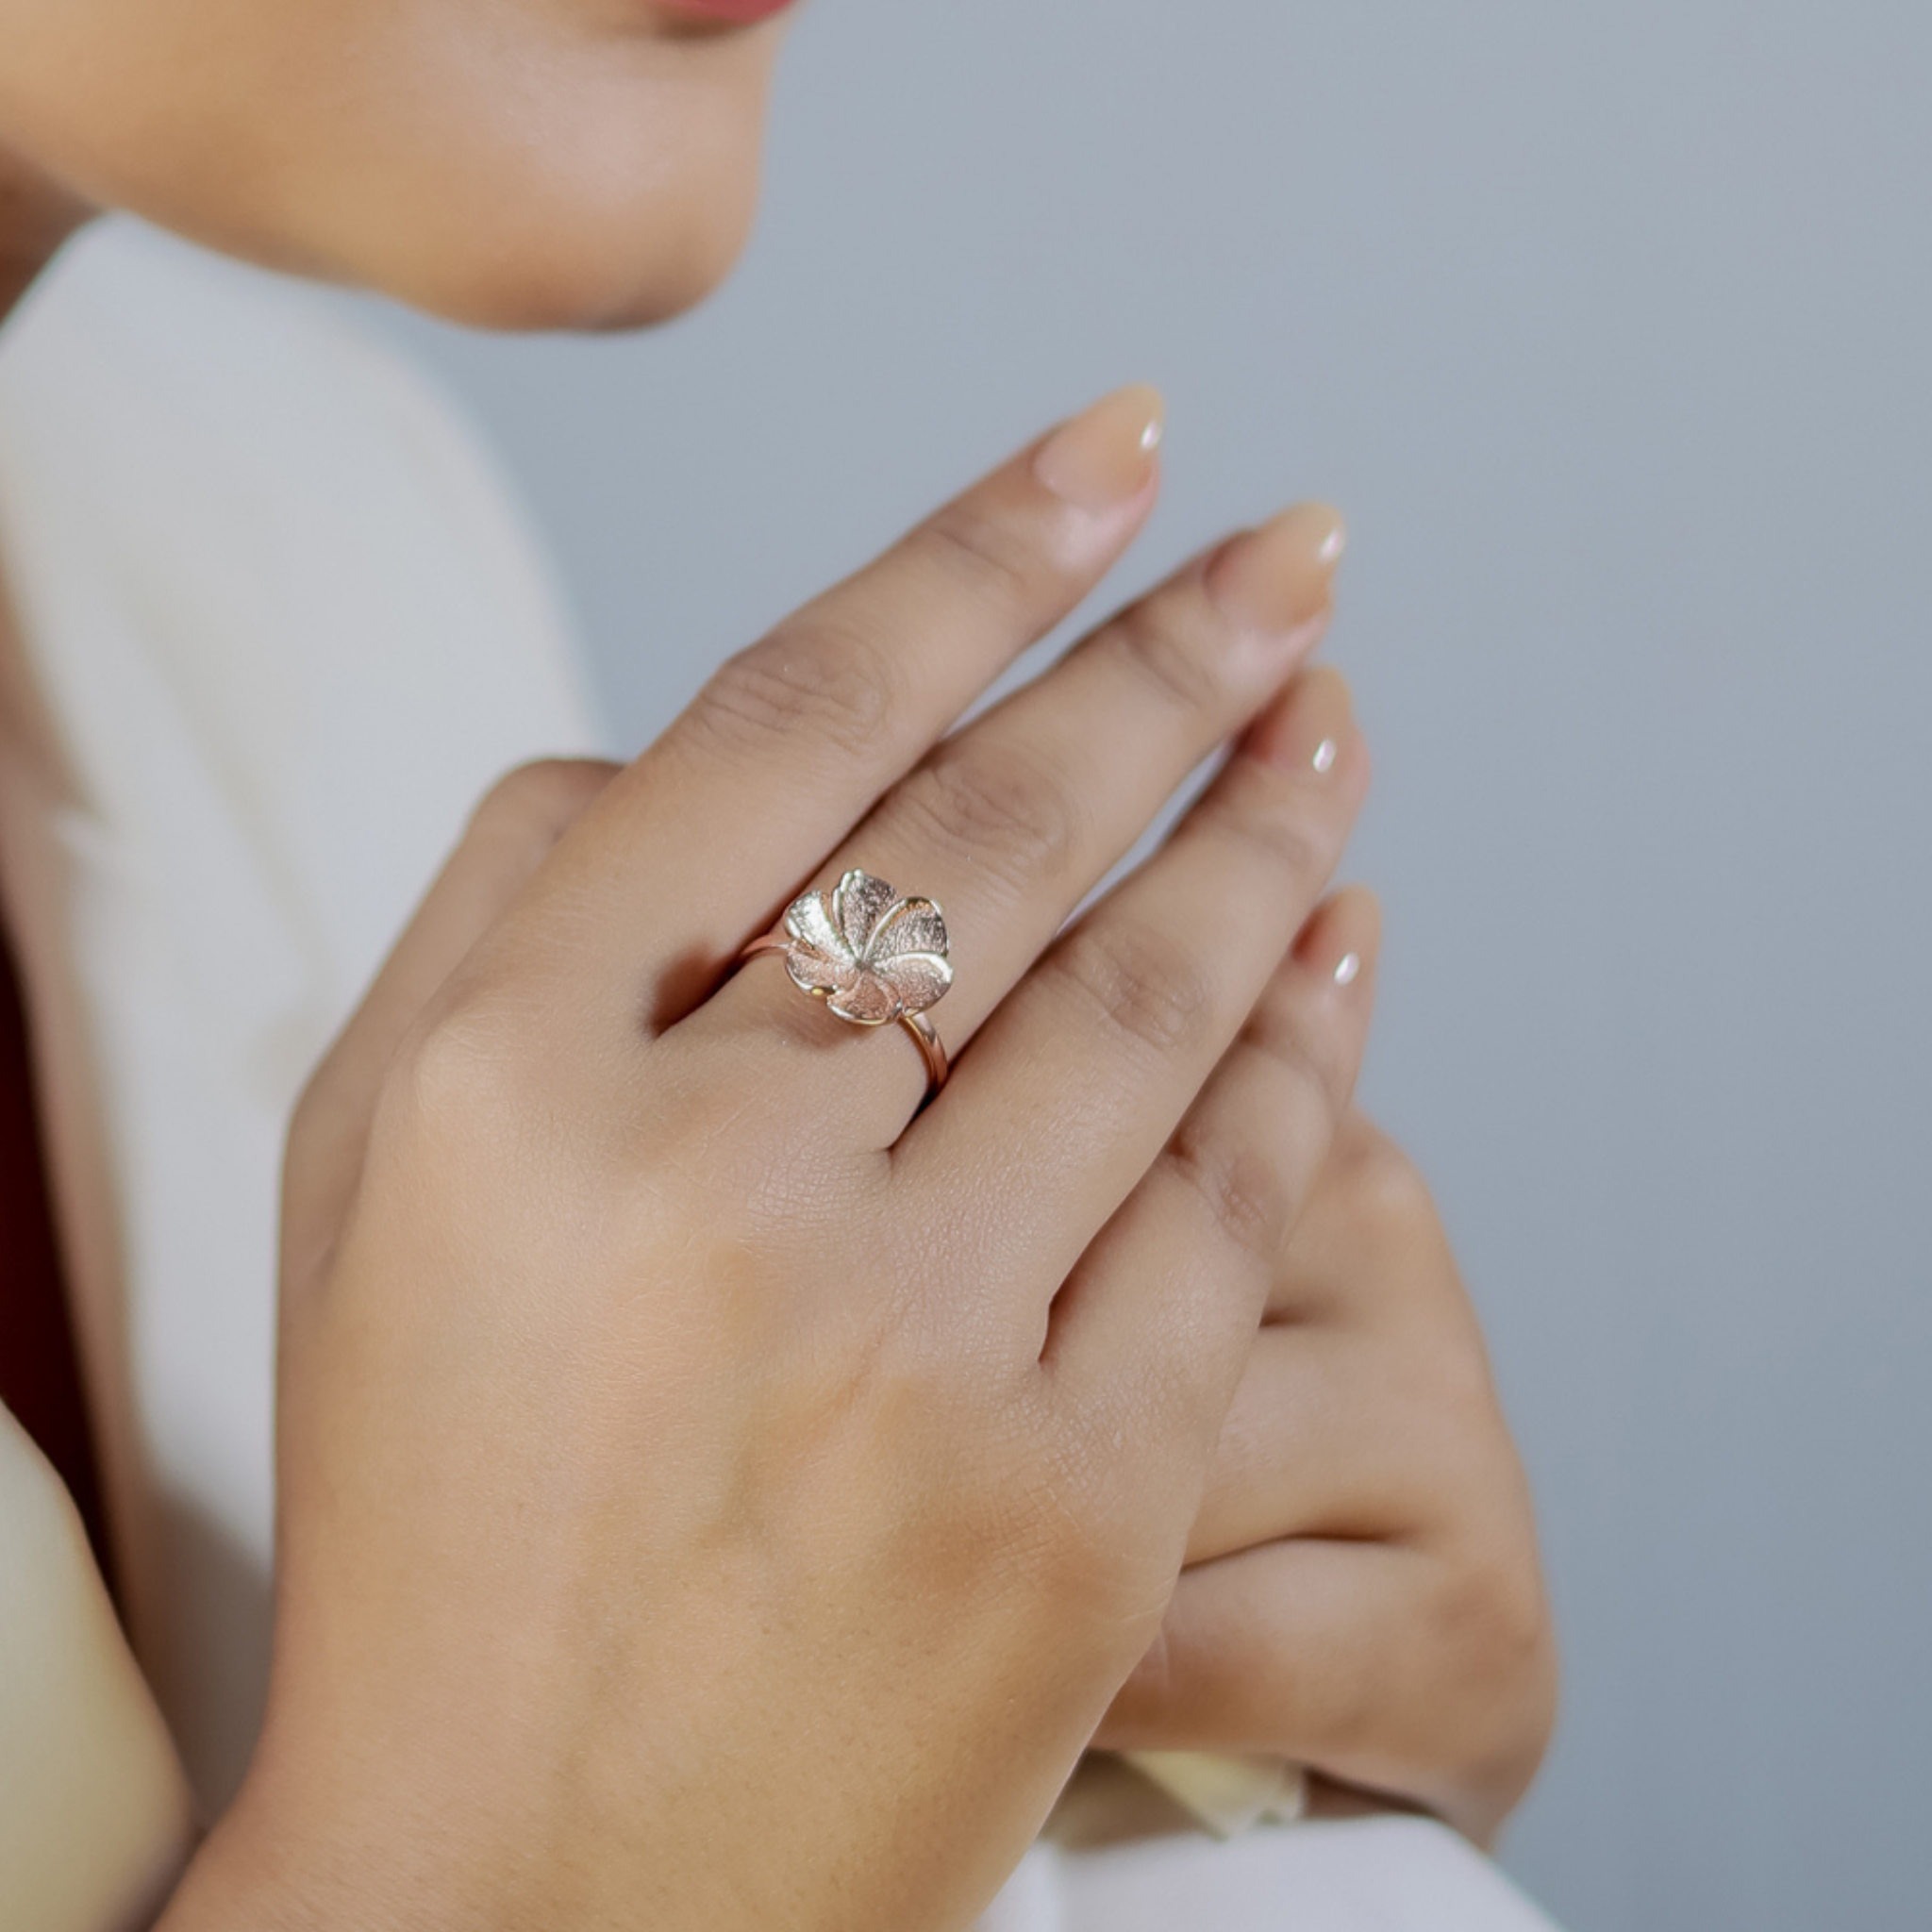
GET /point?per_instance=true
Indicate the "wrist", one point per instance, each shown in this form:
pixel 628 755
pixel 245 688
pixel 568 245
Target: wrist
pixel 277 1867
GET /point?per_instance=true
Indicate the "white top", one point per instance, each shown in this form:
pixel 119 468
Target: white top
pixel 287 627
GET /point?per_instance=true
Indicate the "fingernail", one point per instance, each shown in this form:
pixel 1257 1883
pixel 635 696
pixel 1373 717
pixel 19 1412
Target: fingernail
pixel 1341 942
pixel 1103 457
pixel 1278 578
pixel 1307 731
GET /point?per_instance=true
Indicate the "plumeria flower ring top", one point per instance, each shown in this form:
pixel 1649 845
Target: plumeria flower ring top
pixel 871 956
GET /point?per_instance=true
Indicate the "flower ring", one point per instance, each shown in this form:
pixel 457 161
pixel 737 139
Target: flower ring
pixel 871 956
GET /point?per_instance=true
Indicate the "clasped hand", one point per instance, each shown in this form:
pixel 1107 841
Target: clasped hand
pixel 716 1493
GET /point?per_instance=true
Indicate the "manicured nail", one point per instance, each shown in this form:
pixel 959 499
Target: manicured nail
pixel 1280 576
pixel 1103 457
pixel 1341 942
pixel 1306 732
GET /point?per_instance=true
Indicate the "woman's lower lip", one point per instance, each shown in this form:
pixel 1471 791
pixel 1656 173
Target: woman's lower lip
pixel 728 10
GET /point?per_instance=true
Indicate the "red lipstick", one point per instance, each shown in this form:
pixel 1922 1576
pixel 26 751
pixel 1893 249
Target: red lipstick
pixel 742 10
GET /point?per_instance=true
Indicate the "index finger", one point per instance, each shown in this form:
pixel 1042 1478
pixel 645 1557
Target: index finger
pixel 792 740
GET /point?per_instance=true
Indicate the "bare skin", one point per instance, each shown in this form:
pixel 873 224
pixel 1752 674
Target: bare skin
pixel 521 163
pixel 1363 1591
pixel 1162 1411
pixel 841 1461
pixel 37 215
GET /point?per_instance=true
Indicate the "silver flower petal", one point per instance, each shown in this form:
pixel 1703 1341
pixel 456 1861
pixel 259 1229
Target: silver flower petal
pixel 869 1000
pixel 814 973
pixel 912 925
pixel 873 956
pixel 810 922
pixel 858 903
pixel 920 979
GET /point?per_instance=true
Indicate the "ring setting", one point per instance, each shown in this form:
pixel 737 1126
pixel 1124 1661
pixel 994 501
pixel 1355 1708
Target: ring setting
pixel 873 956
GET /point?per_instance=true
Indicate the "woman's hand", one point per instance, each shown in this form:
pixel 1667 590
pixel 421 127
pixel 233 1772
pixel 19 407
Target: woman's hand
pixel 709 1495
pixel 1363 1592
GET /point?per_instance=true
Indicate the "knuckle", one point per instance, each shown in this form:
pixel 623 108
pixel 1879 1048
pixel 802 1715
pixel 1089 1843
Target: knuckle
pixel 458 1073
pixel 1453 1379
pixel 987 553
pixel 1183 665
pixel 1147 988
pixel 831 678
pixel 1266 815
pixel 1493 1619
pixel 1311 1057
pixel 1246 1191
pixel 1000 808
pixel 539 799
pixel 1385 1185
pixel 314 1109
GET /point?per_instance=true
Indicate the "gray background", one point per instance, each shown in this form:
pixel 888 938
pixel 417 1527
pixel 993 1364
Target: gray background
pixel 1610 328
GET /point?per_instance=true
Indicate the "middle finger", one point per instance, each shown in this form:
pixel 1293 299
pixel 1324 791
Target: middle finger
pixel 1008 823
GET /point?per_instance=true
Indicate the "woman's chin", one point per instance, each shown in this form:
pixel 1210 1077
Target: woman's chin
pixel 555 165
pixel 603 239
pixel 562 277
pixel 628 215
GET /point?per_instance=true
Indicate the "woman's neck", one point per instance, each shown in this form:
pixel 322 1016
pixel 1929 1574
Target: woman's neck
pixel 37 215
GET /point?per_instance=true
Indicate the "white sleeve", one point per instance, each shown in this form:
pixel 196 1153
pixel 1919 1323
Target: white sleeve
pixel 1357 1874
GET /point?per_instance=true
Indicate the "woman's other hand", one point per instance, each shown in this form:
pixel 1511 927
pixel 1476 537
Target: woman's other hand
pixel 710 1495
pixel 1363 1592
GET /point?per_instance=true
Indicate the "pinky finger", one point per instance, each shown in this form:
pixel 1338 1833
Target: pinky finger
pixel 1152 1328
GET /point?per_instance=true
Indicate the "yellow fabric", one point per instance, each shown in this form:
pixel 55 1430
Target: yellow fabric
pixel 1227 1795
pixel 94 1808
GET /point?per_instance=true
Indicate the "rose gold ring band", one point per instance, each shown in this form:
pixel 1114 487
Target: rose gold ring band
pixel 924 1035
